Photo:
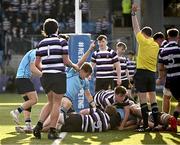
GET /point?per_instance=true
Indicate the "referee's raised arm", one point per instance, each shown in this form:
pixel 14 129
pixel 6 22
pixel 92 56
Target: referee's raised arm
pixel 135 22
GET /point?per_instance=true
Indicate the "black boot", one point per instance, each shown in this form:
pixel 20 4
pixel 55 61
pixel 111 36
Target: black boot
pixel 37 130
pixel 53 134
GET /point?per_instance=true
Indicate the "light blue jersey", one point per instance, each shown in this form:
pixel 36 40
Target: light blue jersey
pixel 75 85
pixel 24 66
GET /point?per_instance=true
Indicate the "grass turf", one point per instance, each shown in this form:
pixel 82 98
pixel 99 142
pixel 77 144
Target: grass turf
pixel 9 136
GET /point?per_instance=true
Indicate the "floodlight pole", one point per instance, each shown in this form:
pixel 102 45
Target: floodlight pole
pixel 78 17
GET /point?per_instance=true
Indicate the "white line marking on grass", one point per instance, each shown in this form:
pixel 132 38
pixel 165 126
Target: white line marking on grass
pixel 58 141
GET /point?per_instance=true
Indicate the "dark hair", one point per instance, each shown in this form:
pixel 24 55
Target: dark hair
pixel 131 53
pixel 101 37
pixel 66 37
pixel 121 44
pixel 147 30
pixel 120 90
pixel 50 26
pixel 173 32
pixel 115 117
pixel 115 120
pixel 87 67
pixel 158 35
pixel 110 110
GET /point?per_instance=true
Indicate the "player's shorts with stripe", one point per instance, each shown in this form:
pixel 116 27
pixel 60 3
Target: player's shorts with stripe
pixel 55 82
pixel 24 85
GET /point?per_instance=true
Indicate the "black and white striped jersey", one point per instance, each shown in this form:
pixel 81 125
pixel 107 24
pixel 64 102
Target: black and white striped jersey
pixel 96 121
pixel 170 57
pixel 104 98
pixel 104 61
pixel 51 51
pixel 131 66
pixel 123 65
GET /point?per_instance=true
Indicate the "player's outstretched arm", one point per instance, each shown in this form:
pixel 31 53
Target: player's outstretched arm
pixel 135 22
pixel 123 123
pixel 88 52
pixel 90 98
pixel 69 63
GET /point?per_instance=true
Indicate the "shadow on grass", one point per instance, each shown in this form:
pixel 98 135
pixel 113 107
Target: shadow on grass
pixel 17 138
pixel 22 138
pixel 148 139
pixel 121 137
pixel 100 138
pixel 110 137
pixel 175 135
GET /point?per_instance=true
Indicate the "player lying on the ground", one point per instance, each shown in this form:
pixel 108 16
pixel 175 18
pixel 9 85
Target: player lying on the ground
pixel 167 121
pixel 117 97
pixel 95 121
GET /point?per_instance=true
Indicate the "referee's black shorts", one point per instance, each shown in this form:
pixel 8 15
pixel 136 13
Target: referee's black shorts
pixel 24 85
pixel 55 82
pixel 145 81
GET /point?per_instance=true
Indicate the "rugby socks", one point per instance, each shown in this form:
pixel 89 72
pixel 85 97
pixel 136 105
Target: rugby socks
pixel 19 110
pixel 144 111
pixel 155 113
pixel 28 120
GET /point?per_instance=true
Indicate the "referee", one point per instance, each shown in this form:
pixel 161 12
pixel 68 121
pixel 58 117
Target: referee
pixel 146 68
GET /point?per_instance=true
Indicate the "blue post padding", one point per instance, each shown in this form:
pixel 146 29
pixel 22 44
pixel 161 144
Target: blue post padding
pixel 78 45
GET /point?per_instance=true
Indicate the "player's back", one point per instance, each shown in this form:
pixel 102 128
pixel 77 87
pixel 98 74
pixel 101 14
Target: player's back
pixel 24 66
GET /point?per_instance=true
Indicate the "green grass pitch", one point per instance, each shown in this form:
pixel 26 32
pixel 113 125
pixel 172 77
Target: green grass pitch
pixel 8 135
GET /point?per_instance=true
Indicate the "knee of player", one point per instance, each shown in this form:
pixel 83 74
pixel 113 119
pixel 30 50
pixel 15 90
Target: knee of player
pixel 34 100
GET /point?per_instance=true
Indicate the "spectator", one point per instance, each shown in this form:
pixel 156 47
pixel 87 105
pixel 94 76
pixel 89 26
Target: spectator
pixel 98 26
pixel 6 24
pixel 85 10
pixel 126 11
pixel 1 54
pixel 105 26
